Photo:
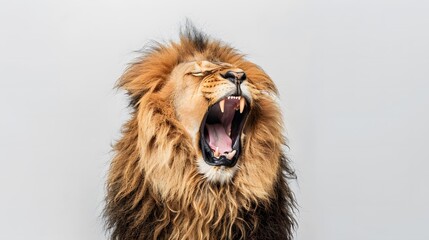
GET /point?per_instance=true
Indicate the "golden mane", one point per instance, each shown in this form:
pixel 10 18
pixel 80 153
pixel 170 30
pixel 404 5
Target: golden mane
pixel 154 189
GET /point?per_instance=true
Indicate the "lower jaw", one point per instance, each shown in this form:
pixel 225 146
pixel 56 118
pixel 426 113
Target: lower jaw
pixel 222 160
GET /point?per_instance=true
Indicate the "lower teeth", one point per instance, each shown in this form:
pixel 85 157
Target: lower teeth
pixel 229 155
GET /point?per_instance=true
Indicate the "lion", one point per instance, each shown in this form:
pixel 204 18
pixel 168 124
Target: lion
pixel 202 155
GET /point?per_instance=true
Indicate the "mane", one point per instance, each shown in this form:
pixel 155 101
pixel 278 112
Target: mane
pixel 142 207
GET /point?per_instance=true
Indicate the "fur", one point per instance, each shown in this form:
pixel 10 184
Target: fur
pixel 159 187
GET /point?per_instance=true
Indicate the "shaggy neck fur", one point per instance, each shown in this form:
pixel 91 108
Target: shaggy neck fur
pixel 153 188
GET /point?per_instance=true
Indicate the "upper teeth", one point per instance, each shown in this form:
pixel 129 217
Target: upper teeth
pixel 240 106
pixel 222 105
pixel 234 97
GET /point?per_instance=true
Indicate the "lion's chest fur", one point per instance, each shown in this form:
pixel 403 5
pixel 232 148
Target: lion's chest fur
pixel 206 213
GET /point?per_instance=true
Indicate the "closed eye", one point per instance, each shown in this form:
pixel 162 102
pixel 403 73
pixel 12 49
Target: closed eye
pixel 199 74
pixel 204 73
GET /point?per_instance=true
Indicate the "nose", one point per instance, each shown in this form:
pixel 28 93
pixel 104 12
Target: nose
pixel 235 77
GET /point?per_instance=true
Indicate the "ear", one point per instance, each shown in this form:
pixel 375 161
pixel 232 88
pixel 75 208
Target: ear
pixel 148 74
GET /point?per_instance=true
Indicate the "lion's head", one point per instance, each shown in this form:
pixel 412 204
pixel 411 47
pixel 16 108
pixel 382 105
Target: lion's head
pixel 205 138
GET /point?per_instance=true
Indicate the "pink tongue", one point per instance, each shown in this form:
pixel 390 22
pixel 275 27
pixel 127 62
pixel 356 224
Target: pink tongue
pixel 218 138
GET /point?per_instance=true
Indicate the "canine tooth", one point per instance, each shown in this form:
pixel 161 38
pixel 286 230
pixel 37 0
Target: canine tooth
pixel 242 104
pixel 217 153
pixel 231 155
pixel 222 105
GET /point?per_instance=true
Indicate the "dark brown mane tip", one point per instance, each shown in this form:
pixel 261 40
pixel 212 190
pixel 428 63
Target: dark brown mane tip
pixel 197 38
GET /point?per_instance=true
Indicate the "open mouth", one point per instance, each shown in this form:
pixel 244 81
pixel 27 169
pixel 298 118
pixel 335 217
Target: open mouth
pixel 221 131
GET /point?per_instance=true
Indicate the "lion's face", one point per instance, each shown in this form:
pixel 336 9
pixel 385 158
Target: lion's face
pixel 212 101
pixel 203 114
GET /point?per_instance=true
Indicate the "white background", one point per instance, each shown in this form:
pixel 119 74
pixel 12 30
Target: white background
pixel 353 77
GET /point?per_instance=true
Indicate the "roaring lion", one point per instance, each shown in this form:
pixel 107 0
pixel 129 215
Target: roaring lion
pixel 202 155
